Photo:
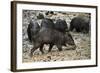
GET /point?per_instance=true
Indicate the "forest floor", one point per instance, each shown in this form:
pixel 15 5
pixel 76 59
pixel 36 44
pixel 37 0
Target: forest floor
pixel 82 41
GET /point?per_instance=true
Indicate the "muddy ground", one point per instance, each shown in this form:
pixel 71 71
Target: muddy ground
pixel 82 40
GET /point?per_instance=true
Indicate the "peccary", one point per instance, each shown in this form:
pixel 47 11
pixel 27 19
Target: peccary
pixel 61 25
pixel 80 24
pixel 32 29
pixel 52 37
pixel 47 23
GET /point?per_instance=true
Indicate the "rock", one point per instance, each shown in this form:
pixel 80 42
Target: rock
pixel 49 57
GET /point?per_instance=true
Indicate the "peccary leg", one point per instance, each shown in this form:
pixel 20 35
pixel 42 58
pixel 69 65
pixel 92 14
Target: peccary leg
pixel 50 47
pixel 36 46
pixel 41 48
pixel 59 47
pixel 71 27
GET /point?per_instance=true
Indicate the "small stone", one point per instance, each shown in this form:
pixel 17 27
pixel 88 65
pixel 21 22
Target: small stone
pixel 49 57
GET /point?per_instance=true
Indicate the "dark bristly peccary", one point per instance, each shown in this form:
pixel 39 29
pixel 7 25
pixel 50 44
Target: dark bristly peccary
pixel 32 29
pixel 80 24
pixel 52 37
pixel 47 34
pixel 61 25
pixel 47 23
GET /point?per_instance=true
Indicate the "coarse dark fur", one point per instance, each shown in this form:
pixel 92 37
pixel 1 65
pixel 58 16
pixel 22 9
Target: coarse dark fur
pixel 52 37
pixel 61 25
pixel 32 29
pixel 80 24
